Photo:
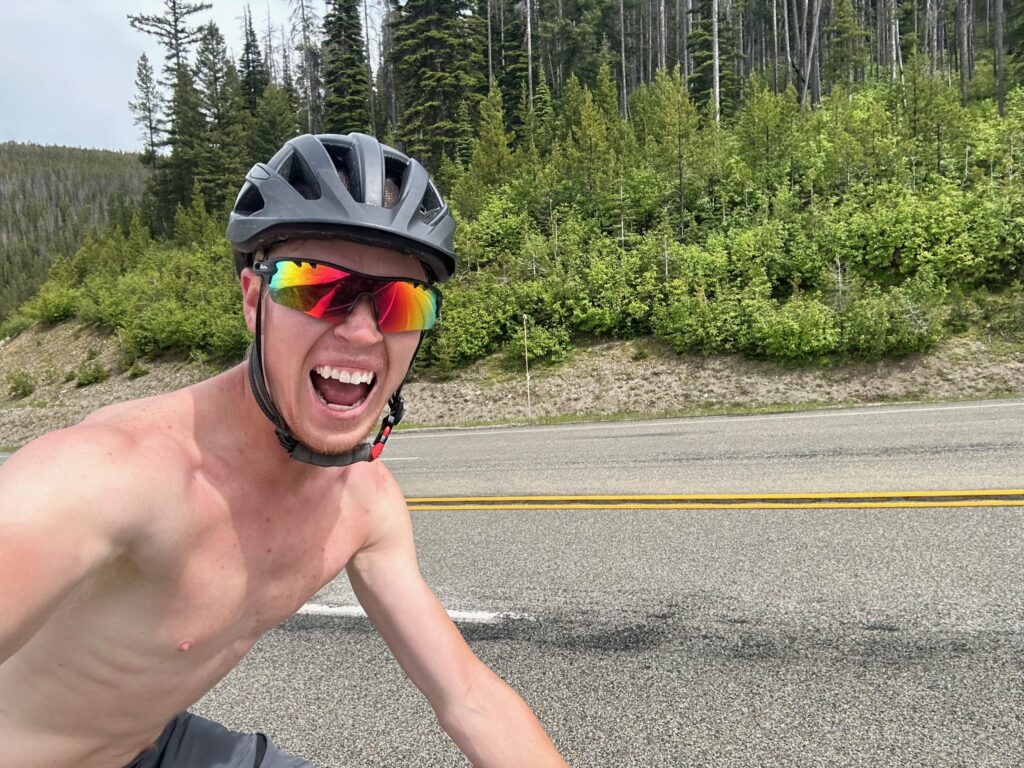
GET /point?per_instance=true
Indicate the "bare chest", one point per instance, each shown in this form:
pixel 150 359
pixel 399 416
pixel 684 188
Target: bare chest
pixel 242 568
pixel 149 636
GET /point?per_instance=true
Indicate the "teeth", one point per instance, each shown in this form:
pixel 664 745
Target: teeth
pixel 345 376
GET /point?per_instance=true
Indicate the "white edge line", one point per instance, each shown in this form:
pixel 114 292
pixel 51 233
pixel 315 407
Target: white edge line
pixel 355 611
pixel 867 410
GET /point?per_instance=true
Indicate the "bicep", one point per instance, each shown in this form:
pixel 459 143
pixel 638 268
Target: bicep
pixel 51 536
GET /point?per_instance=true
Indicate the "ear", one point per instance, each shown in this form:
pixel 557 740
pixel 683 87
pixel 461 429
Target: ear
pixel 250 296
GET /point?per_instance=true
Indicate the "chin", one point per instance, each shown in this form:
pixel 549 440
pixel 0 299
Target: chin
pixel 333 444
pixel 337 436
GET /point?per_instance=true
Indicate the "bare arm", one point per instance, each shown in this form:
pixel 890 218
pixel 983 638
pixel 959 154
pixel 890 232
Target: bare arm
pixel 489 721
pixel 63 514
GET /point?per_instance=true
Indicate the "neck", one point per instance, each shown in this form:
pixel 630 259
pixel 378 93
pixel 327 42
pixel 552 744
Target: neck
pixel 246 437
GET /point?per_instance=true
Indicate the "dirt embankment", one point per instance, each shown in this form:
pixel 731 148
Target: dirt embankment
pixel 636 377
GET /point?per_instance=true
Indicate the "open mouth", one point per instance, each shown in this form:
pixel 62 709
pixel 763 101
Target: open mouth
pixel 342 389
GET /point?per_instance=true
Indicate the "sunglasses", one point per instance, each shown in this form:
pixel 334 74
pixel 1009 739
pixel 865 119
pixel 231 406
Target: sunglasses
pixel 328 292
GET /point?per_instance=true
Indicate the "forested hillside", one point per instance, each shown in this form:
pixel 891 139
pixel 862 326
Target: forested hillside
pixel 50 197
pixel 804 182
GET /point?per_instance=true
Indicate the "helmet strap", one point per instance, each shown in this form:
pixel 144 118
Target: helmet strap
pixel 296 449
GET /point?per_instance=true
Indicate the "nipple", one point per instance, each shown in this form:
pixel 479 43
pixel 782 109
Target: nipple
pixel 185 645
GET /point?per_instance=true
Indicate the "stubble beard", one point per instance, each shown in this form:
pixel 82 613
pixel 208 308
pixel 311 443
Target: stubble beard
pixel 337 445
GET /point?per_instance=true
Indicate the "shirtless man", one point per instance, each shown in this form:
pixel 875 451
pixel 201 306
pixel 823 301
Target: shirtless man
pixel 144 551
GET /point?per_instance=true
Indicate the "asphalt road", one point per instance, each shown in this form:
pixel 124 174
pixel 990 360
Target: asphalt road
pixel 849 637
pixel 962 445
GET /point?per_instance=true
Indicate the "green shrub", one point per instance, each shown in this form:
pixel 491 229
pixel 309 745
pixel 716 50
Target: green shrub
pixel 545 345
pixel 916 324
pixel 90 372
pixel 474 317
pixel 620 291
pixel 20 383
pixel 1002 314
pixel 18 322
pixel 866 327
pixel 688 323
pixel 803 329
pixel 53 304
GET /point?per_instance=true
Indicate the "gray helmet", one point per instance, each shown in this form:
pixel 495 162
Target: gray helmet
pixel 347 187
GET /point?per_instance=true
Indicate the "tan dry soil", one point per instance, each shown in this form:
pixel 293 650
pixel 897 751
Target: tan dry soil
pixel 641 378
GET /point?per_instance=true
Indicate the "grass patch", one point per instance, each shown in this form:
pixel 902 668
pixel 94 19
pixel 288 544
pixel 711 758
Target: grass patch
pixel 136 370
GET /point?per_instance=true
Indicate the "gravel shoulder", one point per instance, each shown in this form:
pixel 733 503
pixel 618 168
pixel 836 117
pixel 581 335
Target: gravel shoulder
pixel 640 378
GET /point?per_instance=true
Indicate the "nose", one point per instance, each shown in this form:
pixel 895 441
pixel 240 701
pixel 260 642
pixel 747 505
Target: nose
pixel 360 324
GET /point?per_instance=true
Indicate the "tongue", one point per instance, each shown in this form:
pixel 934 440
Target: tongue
pixel 336 393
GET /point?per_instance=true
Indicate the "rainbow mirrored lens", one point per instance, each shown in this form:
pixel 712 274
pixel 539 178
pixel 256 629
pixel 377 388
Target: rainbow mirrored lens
pixel 329 293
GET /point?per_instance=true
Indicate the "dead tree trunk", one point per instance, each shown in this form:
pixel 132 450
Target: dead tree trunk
pixel 775 47
pixel 622 55
pixel 1000 74
pixel 716 80
pixel 962 23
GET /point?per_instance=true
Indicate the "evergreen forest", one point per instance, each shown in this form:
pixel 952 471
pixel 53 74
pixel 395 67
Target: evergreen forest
pixel 50 198
pixel 802 182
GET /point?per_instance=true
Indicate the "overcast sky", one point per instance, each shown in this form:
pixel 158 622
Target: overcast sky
pixel 67 67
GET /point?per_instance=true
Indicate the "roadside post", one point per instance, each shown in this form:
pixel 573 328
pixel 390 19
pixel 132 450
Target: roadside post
pixel 526 354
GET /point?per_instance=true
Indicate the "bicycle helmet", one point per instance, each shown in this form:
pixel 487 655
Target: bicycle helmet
pixel 347 188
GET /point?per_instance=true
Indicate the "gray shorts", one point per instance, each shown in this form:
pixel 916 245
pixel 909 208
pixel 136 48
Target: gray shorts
pixel 191 741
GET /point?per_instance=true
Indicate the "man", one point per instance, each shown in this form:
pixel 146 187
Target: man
pixel 145 550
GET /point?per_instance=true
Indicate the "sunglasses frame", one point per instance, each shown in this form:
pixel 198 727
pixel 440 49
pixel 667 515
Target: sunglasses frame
pixel 268 268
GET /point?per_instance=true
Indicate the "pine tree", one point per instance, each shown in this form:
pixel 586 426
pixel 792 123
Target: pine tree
pixel 666 123
pixel 146 108
pixel 252 68
pixel 173 33
pixel 573 33
pixel 437 65
pixel 845 57
pixel 702 81
pixel 274 124
pixel 463 134
pixel 543 116
pixel 511 71
pixel 288 82
pixel 176 175
pixel 346 90
pixel 492 157
pixel 224 154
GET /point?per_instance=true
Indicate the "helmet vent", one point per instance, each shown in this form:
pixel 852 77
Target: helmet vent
pixel 431 202
pixel 392 184
pixel 302 179
pixel 349 176
pixel 249 201
pixel 394 171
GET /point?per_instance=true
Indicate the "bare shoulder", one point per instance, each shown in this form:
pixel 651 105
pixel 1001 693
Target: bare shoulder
pixel 101 465
pixel 373 488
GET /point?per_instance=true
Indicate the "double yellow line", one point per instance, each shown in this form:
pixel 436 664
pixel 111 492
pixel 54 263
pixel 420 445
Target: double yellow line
pixel 1011 497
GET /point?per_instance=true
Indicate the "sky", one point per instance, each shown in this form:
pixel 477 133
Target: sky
pixel 67 67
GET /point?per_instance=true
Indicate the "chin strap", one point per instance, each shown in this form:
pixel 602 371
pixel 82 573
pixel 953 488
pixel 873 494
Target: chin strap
pixel 300 451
